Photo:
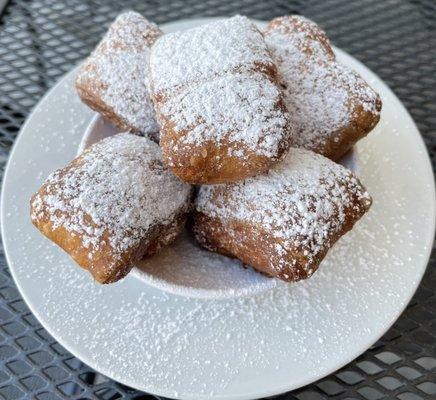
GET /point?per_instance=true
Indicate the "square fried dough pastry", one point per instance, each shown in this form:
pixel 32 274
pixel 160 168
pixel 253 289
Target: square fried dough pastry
pixel 283 222
pixel 218 103
pixel 113 79
pixel 331 107
pixel 112 205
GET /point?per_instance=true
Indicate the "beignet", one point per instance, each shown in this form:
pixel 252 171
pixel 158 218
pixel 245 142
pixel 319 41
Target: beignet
pixel 283 222
pixel 331 107
pixel 220 110
pixel 112 205
pixel 113 79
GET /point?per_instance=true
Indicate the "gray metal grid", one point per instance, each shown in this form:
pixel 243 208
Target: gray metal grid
pixel 41 40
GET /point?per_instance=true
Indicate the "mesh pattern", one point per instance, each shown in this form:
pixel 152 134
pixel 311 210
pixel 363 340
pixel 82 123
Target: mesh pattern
pixel 43 39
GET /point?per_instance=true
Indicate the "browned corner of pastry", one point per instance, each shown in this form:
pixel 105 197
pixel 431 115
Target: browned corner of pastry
pixel 371 113
pixel 294 24
pixel 90 92
pixel 365 110
pixel 202 171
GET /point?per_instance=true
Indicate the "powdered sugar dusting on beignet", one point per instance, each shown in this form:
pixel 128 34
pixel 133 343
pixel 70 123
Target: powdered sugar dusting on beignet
pixel 118 71
pixel 304 201
pixel 119 188
pixel 322 96
pixel 198 54
pixel 231 109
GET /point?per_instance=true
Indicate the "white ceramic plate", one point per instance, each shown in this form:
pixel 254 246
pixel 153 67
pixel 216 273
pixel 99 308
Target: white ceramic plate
pixel 238 348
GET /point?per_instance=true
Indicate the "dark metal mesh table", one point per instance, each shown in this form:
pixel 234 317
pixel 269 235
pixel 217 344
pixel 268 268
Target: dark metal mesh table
pixel 41 40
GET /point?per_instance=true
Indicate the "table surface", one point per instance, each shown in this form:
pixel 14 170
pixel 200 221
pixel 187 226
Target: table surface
pixel 43 39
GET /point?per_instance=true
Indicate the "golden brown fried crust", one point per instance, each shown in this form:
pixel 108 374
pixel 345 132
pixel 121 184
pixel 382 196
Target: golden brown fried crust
pixel 102 263
pixel 194 164
pixel 246 242
pixel 257 248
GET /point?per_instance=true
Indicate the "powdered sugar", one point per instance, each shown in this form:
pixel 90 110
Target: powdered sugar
pixel 118 187
pixel 303 201
pixel 322 96
pixel 232 109
pixel 199 54
pixel 118 67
